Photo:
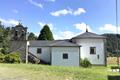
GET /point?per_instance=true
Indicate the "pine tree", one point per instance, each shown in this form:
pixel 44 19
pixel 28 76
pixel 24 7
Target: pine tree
pixel 32 36
pixel 45 33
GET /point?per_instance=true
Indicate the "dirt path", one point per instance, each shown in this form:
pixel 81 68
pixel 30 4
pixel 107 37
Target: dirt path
pixel 12 74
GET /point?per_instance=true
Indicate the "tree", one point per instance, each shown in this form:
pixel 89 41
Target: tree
pixel 1 34
pixel 45 33
pixel 5 34
pixel 32 36
pixel 111 41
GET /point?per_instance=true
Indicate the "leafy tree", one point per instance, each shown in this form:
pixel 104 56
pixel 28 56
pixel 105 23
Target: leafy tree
pixel 7 39
pixel 45 34
pixel 1 33
pixel 32 36
pixel 112 40
pixel 5 34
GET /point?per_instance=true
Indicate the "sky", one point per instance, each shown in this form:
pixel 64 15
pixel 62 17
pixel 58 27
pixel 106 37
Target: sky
pixel 66 18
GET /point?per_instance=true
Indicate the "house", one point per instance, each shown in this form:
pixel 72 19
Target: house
pixel 58 52
pixel 92 47
pixel 68 52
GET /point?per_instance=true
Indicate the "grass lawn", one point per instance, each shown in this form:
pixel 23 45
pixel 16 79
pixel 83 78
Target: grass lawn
pixel 110 72
pixel 111 61
pixel 44 72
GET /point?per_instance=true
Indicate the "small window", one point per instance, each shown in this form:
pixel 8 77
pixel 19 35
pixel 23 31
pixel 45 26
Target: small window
pixel 16 33
pixel 92 50
pixel 65 56
pixel 22 33
pixel 39 50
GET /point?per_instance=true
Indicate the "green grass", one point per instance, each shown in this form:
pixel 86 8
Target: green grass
pixel 112 61
pixel 109 72
pixel 44 72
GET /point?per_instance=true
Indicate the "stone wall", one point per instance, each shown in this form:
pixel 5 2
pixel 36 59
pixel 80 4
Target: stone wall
pixel 19 46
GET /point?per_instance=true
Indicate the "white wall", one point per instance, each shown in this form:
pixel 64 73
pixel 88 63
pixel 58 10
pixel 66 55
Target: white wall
pixel 45 55
pixel 73 56
pixel 85 50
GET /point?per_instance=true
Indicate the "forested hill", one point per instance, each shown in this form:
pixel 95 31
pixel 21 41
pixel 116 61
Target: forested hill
pixel 111 43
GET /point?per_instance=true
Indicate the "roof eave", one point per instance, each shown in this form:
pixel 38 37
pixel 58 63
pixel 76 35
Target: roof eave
pixel 90 38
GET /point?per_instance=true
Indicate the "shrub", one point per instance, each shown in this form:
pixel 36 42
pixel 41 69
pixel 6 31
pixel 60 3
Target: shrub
pixel 4 51
pixel 2 56
pixel 85 63
pixel 12 58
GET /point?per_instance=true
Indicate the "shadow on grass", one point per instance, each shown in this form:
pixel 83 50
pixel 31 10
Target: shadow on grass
pixel 111 77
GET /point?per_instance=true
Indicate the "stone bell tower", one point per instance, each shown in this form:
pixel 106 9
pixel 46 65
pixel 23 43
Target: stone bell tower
pixel 19 33
pixel 19 40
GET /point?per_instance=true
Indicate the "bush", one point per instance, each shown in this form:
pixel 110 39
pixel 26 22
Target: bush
pixel 4 51
pixel 2 56
pixel 12 58
pixel 85 63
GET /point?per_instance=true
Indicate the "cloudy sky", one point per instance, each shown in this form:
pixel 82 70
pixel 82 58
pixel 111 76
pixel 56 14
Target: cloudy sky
pixel 66 18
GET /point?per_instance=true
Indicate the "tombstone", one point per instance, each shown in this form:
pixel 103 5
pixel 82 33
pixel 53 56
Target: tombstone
pixel 19 40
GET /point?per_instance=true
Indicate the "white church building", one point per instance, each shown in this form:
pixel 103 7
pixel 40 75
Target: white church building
pixel 60 52
pixel 69 52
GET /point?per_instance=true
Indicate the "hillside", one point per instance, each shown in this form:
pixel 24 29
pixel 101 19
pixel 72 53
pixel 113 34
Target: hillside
pixel 111 43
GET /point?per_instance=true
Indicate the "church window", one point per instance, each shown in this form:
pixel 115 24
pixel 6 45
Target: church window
pixel 65 56
pixel 39 50
pixel 16 33
pixel 92 50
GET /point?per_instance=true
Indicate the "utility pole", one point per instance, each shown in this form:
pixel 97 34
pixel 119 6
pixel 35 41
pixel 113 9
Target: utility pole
pixel 117 45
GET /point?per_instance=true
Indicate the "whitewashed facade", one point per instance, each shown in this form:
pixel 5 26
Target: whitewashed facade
pixel 45 55
pixel 73 56
pixel 68 52
pixel 58 53
pixel 54 55
pixel 99 57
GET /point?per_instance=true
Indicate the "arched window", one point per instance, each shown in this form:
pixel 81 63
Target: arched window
pixel 23 32
pixel 16 33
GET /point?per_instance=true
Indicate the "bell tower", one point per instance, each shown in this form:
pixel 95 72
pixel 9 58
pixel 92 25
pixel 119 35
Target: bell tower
pixel 19 40
pixel 19 33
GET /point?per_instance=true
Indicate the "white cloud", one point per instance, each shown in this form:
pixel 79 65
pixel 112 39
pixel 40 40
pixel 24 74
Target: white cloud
pixel 35 3
pixel 61 12
pixel 70 34
pixel 51 0
pixel 82 27
pixel 9 21
pixel 44 23
pixel 64 35
pixel 79 11
pixel 15 11
pixel 64 12
pixel 109 28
